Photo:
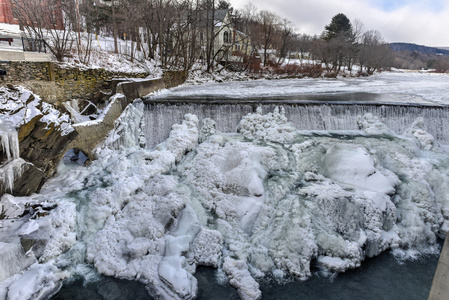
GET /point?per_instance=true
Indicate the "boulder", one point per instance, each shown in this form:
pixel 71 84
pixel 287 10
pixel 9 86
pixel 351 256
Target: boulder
pixel 43 145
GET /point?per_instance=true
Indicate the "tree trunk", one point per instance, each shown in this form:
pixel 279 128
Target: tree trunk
pixel 114 26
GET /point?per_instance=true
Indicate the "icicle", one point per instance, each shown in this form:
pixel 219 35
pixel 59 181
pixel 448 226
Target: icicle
pixel 14 144
pixel 12 168
pixel 9 172
pixel 10 143
pixel 5 144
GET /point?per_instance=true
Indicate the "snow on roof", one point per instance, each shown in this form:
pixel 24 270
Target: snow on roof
pixel 10 30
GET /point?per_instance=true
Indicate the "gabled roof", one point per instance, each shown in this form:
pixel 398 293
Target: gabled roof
pixel 219 15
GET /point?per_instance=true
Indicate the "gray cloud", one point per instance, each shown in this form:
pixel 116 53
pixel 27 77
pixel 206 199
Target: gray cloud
pixel 416 21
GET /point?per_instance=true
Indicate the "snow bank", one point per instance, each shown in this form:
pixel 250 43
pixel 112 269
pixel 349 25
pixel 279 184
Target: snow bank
pixel 102 56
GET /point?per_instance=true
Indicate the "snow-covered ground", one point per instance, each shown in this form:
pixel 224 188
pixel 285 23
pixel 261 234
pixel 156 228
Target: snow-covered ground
pixel 263 202
pixel 102 56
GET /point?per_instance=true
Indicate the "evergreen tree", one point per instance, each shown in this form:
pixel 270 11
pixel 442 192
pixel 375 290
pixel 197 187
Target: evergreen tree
pixel 223 4
pixel 340 25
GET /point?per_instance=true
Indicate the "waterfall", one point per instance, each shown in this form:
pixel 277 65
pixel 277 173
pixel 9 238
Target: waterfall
pixel 160 116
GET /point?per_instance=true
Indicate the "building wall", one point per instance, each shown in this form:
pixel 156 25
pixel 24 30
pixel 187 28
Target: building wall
pixel 6 15
pixel 53 19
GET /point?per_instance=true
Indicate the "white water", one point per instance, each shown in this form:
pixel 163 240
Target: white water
pixel 265 202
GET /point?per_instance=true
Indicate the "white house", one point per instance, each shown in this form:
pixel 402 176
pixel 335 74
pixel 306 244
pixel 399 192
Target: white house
pixel 230 45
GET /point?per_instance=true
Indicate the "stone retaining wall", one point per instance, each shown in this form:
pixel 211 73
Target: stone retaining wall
pixel 82 84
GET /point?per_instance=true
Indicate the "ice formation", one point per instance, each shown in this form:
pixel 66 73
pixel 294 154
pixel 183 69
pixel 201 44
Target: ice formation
pixel 11 168
pixel 265 202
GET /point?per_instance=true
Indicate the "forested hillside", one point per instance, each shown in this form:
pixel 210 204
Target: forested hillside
pixel 398 47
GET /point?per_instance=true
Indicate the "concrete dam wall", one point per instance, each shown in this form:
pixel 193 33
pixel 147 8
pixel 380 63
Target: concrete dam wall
pixel 304 115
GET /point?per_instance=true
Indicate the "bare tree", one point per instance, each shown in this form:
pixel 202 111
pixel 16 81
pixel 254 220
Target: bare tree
pixel 286 35
pixel 442 65
pixel 321 51
pixel 50 21
pixel 374 54
pixel 268 22
pixel 303 44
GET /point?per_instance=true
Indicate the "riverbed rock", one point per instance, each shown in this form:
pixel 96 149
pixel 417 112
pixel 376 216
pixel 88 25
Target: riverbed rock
pixel 30 182
pixel 43 145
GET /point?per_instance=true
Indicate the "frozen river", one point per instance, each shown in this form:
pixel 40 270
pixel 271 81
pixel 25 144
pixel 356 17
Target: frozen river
pixel 239 210
pixel 410 87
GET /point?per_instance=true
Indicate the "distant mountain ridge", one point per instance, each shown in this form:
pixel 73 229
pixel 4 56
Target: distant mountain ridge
pixel 398 47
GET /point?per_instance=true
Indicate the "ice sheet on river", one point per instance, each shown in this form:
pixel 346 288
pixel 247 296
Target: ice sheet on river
pixel 266 202
pixel 396 87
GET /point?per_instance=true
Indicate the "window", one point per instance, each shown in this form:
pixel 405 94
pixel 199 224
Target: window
pixel 226 37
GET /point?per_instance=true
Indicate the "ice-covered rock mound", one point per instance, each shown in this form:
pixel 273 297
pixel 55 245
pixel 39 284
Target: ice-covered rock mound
pixel 266 202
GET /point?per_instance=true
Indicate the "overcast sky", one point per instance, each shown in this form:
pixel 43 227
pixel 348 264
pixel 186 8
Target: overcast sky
pixel 424 22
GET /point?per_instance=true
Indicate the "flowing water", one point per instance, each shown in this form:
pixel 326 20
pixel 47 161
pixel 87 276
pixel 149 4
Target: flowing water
pixel 381 277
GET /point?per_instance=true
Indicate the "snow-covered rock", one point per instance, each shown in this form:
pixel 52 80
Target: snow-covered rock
pixel 18 106
pixel 13 259
pixel 241 279
pixel 271 127
pixel 372 125
pixel 40 282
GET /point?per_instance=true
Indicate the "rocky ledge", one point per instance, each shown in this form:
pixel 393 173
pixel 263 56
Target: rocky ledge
pixel 33 137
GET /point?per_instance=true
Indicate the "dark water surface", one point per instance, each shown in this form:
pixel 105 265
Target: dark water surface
pixel 382 277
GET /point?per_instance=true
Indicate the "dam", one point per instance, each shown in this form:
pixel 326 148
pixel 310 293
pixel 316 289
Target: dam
pixel 161 114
